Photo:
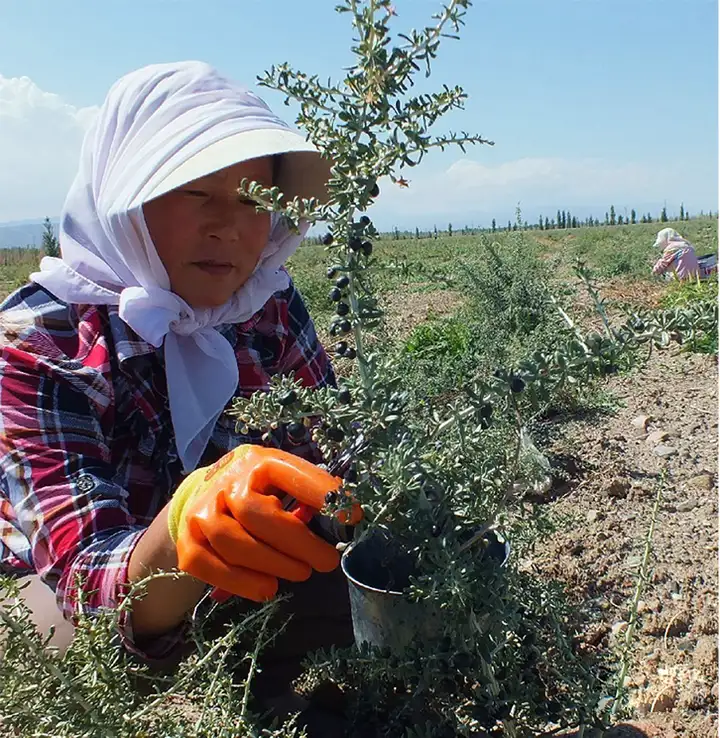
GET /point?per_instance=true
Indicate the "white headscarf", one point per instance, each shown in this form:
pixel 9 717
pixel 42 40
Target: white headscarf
pixel 151 122
pixel 670 237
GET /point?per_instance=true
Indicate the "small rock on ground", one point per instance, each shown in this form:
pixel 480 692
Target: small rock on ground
pixel 617 488
pixel 702 481
pixel 657 437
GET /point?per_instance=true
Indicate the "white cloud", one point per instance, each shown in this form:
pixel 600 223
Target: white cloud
pixel 470 189
pixel 40 139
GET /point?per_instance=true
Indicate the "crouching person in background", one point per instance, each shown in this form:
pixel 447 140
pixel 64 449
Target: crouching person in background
pixel 678 256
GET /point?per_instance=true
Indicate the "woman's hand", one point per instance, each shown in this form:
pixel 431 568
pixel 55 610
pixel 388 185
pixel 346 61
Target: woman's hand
pixel 231 530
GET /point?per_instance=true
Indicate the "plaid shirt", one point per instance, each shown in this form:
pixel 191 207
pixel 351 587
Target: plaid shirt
pixel 88 451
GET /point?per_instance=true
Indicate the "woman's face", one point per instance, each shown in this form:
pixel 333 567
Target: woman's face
pixel 207 237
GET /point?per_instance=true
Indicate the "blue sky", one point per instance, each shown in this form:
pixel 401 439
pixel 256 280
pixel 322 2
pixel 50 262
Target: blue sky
pixel 589 102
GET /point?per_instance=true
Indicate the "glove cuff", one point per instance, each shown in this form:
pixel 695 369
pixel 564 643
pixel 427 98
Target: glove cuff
pixel 183 494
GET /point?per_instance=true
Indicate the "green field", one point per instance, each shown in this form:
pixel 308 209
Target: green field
pixel 618 254
pixel 614 251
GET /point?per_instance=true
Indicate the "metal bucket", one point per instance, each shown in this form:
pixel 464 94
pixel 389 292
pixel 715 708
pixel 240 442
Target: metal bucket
pixel 381 614
pixel 377 571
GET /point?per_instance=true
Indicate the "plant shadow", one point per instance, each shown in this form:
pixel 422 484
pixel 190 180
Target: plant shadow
pixel 622 730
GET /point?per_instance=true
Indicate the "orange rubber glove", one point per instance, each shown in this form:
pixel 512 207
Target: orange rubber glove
pixel 230 528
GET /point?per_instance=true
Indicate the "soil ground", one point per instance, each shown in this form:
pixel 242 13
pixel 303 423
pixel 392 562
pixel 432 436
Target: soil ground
pixel 662 440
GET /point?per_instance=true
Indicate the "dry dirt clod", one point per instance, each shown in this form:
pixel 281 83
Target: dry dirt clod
pixel 641 422
pixel 664 451
pixel 656 437
pixel 617 488
pixel 595 634
pixel 593 516
pixel 677 625
pixel 665 700
pixel 702 481
pixel 685 644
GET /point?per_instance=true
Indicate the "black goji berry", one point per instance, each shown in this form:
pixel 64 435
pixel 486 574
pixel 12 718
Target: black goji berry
pixel 335 434
pixel 288 398
pixel 296 431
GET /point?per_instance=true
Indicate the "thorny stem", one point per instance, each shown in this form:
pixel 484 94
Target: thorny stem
pixel 456 418
pixel 457 140
pixel 461 434
pixel 563 314
pixel 416 48
pixel 388 504
pixel 359 342
pixel 11 623
pixel 352 292
pixel 225 640
pixel 211 690
pixel 518 446
pixel 253 663
pixel 599 303
pixel 479 534
pixel 639 588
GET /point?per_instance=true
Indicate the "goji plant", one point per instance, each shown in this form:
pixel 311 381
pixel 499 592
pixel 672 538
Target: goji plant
pixel 445 487
pixel 447 484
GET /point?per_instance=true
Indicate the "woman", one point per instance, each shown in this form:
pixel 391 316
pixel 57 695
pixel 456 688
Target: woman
pixel 678 255
pixel 118 359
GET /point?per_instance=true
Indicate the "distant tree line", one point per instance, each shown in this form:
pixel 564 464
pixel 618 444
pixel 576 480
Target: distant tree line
pixel 563 220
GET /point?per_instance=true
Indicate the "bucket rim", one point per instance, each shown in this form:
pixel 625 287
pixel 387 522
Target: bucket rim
pixel 346 553
pixel 357 582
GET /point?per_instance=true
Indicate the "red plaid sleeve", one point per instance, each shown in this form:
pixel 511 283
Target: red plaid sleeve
pixel 57 474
